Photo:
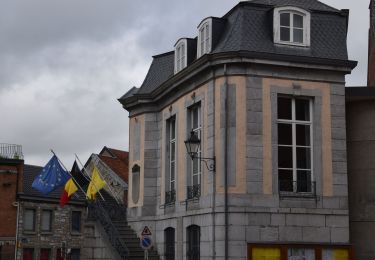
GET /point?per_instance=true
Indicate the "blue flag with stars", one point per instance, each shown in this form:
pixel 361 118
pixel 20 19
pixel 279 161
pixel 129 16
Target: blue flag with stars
pixel 51 177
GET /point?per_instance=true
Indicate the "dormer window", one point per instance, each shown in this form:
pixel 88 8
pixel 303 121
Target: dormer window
pixel 180 56
pixel 291 26
pixel 204 37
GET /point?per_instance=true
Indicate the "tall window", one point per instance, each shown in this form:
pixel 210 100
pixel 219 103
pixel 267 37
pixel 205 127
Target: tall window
pixel 180 55
pixel 193 234
pixel 292 26
pixel 295 144
pixel 169 236
pixel 136 176
pixel 29 220
pixel 76 221
pixel 46 221
pixel 171 148
pixel 194 187
pixel 204 38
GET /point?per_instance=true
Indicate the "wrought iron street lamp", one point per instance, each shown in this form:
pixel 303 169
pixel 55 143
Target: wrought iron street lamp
pixel 193 144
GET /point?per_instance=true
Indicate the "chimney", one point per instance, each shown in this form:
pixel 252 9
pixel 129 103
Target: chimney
pixel 371 47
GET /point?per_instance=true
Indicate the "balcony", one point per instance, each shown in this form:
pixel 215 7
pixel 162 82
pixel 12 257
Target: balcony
pixel 11 151
pixel 194 192
pixel 170 197
pixel 288 188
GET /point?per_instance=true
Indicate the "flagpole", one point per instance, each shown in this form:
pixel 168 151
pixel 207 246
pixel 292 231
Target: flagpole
pixel 69 173
pixel 85 171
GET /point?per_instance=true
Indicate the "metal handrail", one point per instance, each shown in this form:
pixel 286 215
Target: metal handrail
pixel 300 188
pixel 11 151
pixel 194 191
pixel 98 212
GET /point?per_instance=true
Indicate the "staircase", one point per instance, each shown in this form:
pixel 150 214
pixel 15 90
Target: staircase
pixel 112 217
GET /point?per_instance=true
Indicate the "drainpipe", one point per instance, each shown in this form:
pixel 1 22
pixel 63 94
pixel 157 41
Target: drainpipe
pixel 18 215
pixel 214 175
pixel 226 163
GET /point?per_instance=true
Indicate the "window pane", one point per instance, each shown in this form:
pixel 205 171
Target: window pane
pixel 284 108
pixel 284 134
pixel 301 254
pixel 297 21
pixel 298 35
pixel 29 220
pixel 304 181
pixel 285 34
pixel 45 254
pixel 285 157
pixel 286 180
pixel 193 243
pixel 302 110
pixel 303 158
pixel 46 220
pixel 172 171
pixel 76 221
pixel 266 253
pixel 195 118
pixel 28 254
pixel 74 254
pixel 285 19
pixel 303 135
pixel 173 129
pixel 173 151
pixel 335 254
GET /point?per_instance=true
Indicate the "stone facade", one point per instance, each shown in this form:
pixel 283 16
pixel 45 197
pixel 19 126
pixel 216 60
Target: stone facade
pixel 240 207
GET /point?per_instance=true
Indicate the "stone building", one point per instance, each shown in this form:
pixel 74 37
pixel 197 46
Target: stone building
pixel 11 169
pixel 371 51
pixel 262 89
pixel 47 231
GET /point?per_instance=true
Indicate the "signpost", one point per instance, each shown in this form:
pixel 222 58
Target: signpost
pixel 146 240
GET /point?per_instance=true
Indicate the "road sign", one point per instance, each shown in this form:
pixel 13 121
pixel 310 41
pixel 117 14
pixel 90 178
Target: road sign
pixel 146 242
pixel 146 231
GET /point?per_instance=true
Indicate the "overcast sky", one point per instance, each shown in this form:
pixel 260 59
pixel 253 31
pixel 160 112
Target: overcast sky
pixel 64 63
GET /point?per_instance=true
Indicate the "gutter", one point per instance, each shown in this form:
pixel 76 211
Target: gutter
pixel 226 163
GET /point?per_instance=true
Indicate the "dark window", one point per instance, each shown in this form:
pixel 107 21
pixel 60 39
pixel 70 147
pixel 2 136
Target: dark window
pixel 29 220
pixel 294 128
pixel 193 242
pixel 169 236
pixel 74 254
pixel 46 221
pixel 76 221
pixel 136 171
pixel 45 254
pixel 28 254
pixel 291 27
pixel 59 254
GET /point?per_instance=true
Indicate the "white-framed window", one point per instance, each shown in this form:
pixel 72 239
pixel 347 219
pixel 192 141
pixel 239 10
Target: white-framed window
pixel 194 187
pixel 46 220
pixel 29 220
pixel 291 26
pixel 170 196
pixel 295 144
pixel 204 37
pixel 180 54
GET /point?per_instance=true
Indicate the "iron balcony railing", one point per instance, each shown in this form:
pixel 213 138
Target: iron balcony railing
pixel 194 191
pixel 297 188
pixel 170 197
pixel 11 151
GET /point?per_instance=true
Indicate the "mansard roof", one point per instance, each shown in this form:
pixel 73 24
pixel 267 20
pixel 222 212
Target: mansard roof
pixel 248 31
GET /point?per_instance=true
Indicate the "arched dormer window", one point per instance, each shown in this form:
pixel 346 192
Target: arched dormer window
pixel 180 55
pixel 204 37
pixel 291 26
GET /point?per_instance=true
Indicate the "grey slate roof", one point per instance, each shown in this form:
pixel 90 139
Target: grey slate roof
pixel 162 68
pixel 30 172
pixel 312 5
pixel 249 28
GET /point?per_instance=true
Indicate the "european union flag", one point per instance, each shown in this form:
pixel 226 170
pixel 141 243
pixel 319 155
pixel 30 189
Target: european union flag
pixel 51 177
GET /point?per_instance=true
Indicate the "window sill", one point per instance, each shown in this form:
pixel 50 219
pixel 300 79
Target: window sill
pixel 292 44
pixel 29 232
pixel 302 195
pixel 46 233
pixel 75 233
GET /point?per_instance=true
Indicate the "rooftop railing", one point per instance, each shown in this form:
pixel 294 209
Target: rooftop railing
pixel 11 151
